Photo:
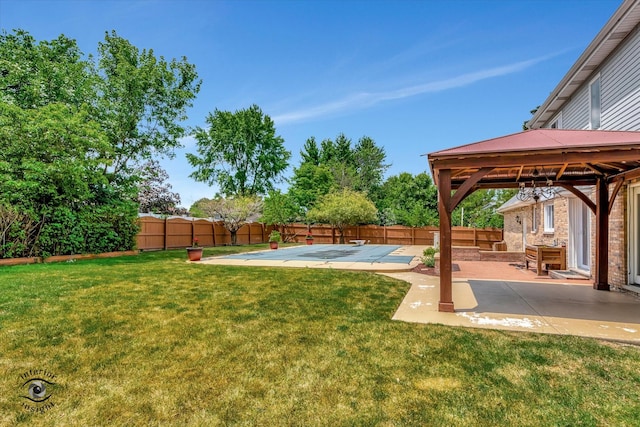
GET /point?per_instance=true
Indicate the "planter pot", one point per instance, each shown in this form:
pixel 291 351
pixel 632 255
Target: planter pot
pixel 309 241
pixel 273 245
pixel 195 254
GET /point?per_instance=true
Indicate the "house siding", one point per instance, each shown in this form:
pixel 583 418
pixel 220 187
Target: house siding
pixel 621 87
pixel 575 115
pixel 620 102
pixel 620 92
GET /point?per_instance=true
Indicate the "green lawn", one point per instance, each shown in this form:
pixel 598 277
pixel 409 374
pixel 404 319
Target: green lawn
pixel 153 340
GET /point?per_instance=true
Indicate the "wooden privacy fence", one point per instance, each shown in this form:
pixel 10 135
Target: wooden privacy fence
pixel 171 233
pixel 398 235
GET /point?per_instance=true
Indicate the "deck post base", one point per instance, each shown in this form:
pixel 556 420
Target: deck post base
pixel 446 307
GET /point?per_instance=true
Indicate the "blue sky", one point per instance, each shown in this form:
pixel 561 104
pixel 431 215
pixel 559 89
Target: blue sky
pixel 416 76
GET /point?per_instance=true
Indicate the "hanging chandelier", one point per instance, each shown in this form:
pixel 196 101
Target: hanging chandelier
pixel 539 187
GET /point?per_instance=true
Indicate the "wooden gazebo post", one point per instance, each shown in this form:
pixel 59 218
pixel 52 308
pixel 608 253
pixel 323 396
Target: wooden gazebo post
pixel 444 210
pixel 601 282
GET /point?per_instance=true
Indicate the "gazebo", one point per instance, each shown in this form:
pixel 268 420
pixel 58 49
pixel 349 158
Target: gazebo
pixel 536 159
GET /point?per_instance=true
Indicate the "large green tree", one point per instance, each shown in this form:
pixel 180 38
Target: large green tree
pixel 72 132
pixel 50 155
pixel 309 183
pixel 142 101
pixel 480 209
pixel 50 169
pixel 337 165
pixel 240 152
pixel 281 210
pixel 369 165
pixel 407 199
pixel 34 74
pixel 342 209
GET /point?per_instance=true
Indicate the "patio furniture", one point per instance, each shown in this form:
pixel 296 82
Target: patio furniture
pixel 550 256
pixel 358 242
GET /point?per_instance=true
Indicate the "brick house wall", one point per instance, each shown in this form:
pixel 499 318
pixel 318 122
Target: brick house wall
pixel 618 234
pixel 535 234
pixel 618 239
pixel 560 232
pixel 618 243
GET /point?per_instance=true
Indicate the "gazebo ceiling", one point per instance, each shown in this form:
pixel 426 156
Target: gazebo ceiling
pixel 548 156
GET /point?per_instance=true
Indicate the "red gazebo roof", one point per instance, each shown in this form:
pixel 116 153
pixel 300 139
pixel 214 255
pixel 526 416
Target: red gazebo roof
pixel 570 156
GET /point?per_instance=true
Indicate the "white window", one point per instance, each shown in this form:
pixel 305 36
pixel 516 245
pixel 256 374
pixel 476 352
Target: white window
pixel 557 122
pixel 534 219
pixel 548 218
pixel 594 104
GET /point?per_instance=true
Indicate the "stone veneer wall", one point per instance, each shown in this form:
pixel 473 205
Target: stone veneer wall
pixel 512 233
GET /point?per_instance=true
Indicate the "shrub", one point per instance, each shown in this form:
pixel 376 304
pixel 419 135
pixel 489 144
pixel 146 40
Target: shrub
pixel 93 229
pixel 275 236
pixel 429 256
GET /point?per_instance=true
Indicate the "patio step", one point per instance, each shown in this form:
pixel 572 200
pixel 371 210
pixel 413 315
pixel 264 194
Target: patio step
pixel 567 274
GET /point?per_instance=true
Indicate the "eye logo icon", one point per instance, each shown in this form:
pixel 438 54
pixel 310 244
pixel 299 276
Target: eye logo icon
pixel 37 388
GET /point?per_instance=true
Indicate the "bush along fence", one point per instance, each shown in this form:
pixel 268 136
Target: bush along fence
pixel 173 233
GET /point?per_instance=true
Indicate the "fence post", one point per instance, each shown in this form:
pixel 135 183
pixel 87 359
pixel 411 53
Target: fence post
pixel 213 230
pixel 384 234
pixel 193 230
pixel 475 236
pixel 413 235
pixel 165 233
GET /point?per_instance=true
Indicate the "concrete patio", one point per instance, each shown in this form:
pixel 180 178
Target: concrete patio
pixel 542 305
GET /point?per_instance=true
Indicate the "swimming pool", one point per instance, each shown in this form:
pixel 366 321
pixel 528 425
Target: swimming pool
pixel 330 253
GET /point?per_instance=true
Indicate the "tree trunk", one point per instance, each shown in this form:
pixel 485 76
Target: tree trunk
pixel 234 237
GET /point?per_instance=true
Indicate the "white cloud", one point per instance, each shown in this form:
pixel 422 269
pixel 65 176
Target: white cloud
pixel 367 99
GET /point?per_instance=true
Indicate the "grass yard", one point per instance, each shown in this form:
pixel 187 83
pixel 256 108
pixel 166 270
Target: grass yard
pixel 153 340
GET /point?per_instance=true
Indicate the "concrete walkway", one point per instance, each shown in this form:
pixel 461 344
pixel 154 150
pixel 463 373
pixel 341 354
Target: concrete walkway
pixel 496 295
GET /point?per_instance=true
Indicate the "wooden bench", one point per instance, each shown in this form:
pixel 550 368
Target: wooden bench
pixel 545 255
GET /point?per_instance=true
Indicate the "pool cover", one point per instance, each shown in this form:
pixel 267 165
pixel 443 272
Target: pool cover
pixel 336 253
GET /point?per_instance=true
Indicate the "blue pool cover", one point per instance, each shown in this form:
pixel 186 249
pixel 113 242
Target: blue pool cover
pixel 336 253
